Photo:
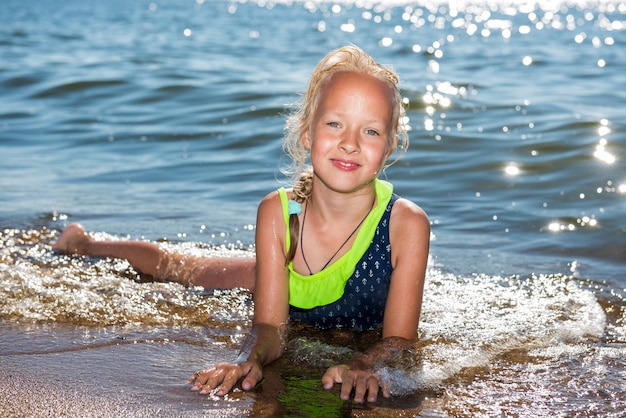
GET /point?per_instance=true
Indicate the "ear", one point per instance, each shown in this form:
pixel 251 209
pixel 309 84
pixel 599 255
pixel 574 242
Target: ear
pixel 306 139
pixel 391 148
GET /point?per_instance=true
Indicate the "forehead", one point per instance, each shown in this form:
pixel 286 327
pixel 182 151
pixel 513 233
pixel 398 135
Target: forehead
pixel 357 90
pixel 354 83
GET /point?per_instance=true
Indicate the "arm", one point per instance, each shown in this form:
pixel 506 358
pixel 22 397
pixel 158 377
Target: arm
pixel 265 342
pixel 410 239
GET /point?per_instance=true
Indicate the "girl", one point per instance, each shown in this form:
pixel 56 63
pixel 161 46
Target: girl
pixel 340 249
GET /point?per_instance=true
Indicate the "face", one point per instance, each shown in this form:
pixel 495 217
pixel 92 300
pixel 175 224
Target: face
pixel 351 136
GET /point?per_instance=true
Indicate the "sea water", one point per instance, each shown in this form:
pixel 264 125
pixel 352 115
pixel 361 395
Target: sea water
pixel 162 121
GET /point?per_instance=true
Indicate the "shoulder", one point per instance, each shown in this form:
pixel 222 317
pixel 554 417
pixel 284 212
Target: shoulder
pixel 270 227
pixel 270 205
pixel 408 214
pixel 409 226
pixel 271 197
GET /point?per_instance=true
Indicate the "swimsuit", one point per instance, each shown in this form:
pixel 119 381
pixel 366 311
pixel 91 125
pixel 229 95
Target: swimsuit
pixel 351 292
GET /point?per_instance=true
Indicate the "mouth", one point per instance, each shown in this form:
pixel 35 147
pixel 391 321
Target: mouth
pixel 345 165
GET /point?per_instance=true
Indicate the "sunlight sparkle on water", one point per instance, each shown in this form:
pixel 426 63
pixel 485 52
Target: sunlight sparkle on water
pixel 602 154
pixel 511 170
pixel 584 221
pixel 386 41
pixel 604 130
pixel 348 27
pixel 557 227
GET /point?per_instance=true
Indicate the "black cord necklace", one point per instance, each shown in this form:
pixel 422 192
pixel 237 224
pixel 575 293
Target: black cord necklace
pixel 342 245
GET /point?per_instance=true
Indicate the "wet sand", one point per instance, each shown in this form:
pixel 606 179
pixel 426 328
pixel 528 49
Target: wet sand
pixel 25 392
pixel 130 380
pixel 37 395
pixel 146 378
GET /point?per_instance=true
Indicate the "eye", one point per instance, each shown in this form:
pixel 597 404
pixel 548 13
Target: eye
pixel 333 124
pixel 372 132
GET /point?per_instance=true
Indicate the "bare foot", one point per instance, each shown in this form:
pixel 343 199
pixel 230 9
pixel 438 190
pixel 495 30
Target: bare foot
pixel 73 240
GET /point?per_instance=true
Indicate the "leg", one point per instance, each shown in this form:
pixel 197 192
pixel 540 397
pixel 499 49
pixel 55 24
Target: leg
pixel 225 273
pixel 148 258
pixel 143 256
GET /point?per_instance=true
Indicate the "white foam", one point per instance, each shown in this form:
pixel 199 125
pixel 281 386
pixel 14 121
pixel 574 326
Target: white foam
pixel 469 322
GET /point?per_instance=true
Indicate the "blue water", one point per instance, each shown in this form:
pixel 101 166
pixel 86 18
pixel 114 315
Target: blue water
pixel 163 121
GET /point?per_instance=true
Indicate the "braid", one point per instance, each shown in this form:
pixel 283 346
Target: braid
pixel 302 189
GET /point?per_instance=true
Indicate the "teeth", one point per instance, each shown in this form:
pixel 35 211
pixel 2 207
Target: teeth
pixel 346 164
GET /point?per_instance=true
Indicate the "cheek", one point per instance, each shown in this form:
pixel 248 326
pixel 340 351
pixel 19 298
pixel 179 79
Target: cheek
pixel 380 153
pixel 319 145
pixel 316 150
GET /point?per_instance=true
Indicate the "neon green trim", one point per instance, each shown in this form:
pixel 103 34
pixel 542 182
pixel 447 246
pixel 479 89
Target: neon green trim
pixel 284 200
pixel 327 286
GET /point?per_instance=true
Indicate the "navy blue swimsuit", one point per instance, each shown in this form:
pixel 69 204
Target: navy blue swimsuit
pixel 362 305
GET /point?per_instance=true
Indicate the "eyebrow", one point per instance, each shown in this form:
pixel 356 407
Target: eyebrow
pixel 331 113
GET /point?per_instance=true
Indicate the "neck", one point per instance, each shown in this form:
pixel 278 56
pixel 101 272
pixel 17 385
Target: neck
pixel 332 204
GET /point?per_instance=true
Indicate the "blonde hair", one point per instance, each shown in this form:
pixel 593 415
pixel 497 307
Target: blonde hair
pixel 346 59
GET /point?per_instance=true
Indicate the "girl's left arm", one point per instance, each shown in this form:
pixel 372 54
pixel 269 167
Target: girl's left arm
pixel 410 241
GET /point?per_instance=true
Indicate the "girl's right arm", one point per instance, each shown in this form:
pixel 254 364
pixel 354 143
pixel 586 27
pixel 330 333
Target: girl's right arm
pixel 262 346
pixel 265 343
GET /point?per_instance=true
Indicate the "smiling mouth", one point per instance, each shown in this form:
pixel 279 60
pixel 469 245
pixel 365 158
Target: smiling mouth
pixel 345 165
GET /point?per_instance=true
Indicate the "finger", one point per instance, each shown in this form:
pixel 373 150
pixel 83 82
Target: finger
pixel 209 384
pixel 253 377
pixel 328 380
pixel 360 387
pixel 193 377
pixel 372 389
pixel 228 381
pixel 334 375
pixel 386 390
pixel 347 386
pixel 200 378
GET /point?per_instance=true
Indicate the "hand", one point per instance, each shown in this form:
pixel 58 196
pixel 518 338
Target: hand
pixel 362 381
pixel 223 377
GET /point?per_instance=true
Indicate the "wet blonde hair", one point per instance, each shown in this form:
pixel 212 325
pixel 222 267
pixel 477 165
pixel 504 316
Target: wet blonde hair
pixel 346 59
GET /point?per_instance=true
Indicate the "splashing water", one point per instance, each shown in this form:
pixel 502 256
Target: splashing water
pixel 477 335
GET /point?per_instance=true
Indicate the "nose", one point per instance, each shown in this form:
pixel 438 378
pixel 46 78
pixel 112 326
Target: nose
pixel 350 142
